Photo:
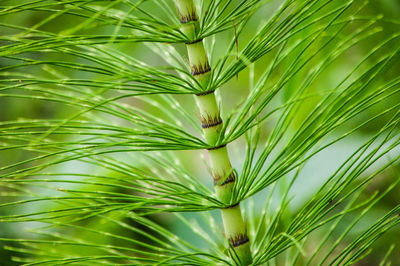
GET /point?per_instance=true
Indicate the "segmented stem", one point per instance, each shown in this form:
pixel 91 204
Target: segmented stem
pixel 222 171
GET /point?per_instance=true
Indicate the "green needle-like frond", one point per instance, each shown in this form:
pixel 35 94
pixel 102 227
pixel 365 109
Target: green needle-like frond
pixel 114 115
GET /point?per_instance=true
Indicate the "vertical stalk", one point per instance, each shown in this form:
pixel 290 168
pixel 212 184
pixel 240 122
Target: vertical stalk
pixel 211 122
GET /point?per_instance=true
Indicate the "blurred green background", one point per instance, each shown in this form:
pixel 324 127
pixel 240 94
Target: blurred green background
pixel 322 165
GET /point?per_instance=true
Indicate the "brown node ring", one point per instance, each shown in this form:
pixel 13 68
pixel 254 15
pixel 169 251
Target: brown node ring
pixel 216 147
pixel 232 206
pixel 199 70
pixel 231 179
pixel 239 240
pixel 205 93
pixel 189 18
pixel 193 42
pixel 210 122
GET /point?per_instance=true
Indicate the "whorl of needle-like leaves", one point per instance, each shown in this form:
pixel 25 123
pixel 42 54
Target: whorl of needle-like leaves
pixel 99 169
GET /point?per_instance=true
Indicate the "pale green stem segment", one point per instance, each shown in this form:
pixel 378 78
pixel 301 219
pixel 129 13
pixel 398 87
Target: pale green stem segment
pixel 222 171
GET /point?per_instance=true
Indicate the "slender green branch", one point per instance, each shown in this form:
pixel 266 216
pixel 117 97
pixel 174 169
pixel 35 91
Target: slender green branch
pixel 222 171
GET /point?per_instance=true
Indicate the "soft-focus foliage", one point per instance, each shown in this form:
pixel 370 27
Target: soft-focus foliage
pixel 101 148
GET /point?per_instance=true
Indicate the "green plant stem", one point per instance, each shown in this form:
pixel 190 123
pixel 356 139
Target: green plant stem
pixel 222 171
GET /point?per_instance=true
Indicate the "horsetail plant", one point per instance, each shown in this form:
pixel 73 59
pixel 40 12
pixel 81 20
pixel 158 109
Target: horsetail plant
pixel 211 122
pixel 292 107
